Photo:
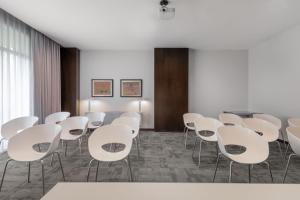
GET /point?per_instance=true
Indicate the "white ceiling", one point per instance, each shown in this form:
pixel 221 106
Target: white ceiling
pixel 134 24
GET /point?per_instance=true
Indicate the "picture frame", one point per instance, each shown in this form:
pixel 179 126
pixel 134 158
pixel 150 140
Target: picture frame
pixel 102 88
pixel 131 88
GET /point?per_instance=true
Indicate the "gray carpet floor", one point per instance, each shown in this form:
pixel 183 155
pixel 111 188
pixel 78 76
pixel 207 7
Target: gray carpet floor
pixel 163 159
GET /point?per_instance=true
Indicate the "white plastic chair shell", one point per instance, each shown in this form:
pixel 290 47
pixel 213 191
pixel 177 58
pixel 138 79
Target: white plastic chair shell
pixel 269 131
pixel 108 134
pixel 95 117
pixel 20 146
pixel 12 127
pixel 57 117
pixel 189 118
pixel 294 121
pixel 132 114
pixel 257 150
pixel 207 124
pixel 270 118
pixel 293 134
pixel 73 123
pixel 230 119
pixel 132 122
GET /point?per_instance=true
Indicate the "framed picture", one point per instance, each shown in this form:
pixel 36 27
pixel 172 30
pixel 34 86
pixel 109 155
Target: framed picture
pixel 131 87
pixel 102 87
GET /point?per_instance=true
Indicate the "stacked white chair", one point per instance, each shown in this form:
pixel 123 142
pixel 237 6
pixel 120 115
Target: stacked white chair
pixel 14 126
pixel 78 123
pixel 293 134
pixel 20 147
pixel 256 149
pixel 206 125
pixel 229 119
pixel 133 123
pixel 110 134
pixel 188 120
pixel 268 131
pixel 96 120
pixel 56 118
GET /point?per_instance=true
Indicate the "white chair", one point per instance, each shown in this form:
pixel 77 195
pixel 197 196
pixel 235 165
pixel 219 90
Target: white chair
pixel 188 120
pixel 96 119
pixel 20 147
pixel 56 118
pixel 14 126
pixel 294 121
pixel 272 119
pixel 131 114
pixel 133 123
pixel 76 124
pixel 206 129
pixel 256 149
pixel 110 134
pixel 293 134
pixel 268 131
pixel 230 119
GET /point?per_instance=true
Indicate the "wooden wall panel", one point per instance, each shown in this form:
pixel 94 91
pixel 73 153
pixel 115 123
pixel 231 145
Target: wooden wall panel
pixel 70 80
pixel 171 88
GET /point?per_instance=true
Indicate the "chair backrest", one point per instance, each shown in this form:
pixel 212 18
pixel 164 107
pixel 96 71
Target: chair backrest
pixel 26 139
pixel 109 134
pixel 73 123
pixel 230 119
pixel 266 129
pixel 237 135
pixel 293 133
pixel 270 118
pixel 57 117
pixel 207 124
pixel 95 117
pixel 12 127
pixel 132 122
pixel 190 118
pixel 294 121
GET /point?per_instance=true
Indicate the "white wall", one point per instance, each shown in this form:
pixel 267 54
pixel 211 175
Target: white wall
pixel 218 81
pixel 274 75
pixel 118 65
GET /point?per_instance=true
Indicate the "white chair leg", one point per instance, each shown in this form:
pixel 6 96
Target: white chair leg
pixel 217 164
pixel 287 166
pixel 43 176
pixel 3 175
pixel 66 147
pixel 185 136
pixel 28 177
pixel 88 175
pixel 199 156
pixel 230 171
pixel 79 144
pixel 129 168
pixel 61 167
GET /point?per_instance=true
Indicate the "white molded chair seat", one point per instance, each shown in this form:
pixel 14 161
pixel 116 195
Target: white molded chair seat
pixel 14 126
pixel 110 134
pixel 95 117
pixel 204 125
pixel 188 120
pixel 20 146
pixel 230 119
pixel 57 117
pixel 132 114
pixel 256 149
pixel 294 121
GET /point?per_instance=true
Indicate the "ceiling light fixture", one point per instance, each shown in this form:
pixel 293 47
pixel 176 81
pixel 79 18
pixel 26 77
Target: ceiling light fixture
pixel 165 12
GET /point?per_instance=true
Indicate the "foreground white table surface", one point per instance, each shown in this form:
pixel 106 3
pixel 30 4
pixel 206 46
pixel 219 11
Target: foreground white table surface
pixel 172 191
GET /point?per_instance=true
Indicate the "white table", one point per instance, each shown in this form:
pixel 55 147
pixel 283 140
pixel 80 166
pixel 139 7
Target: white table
pixel 172 191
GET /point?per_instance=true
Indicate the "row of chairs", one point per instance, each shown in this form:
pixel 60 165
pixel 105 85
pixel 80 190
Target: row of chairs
pixel 25 138
pixel 251 134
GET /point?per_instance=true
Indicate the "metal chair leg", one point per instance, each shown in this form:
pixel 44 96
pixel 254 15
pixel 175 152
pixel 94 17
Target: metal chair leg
pixel 4 173
pixel 66 147
pixel 230 171
pixel 199 155
pixel 137 147
pixel 96 177
pixel 43 176
pixel 287 149
pixel 61 167
pixel 51 162
pixel 28 177
pixel 139 137
pixel 271 175
pixel 129 168
pixel 185 135
pixel 217 164
pixel 88 175
pixel 249 173
pixel 194 147
pixel 287 166
pixel 282 158
pixel 79 143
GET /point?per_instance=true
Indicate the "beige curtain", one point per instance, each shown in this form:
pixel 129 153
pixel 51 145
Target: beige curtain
pixel 47 82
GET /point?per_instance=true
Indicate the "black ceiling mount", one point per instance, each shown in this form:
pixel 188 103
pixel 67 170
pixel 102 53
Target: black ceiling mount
pixel 164 3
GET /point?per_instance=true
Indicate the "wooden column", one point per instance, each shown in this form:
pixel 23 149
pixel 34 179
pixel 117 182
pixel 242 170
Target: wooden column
pixel 171 88
pixel 70 80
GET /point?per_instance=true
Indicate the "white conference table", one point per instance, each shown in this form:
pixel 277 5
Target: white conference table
pixel 172 191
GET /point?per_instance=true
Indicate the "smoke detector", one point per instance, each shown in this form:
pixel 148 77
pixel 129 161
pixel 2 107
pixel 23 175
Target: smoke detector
pixel 166 12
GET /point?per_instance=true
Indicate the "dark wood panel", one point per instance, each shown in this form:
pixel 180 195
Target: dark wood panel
pixel 171 88
pixel 70 80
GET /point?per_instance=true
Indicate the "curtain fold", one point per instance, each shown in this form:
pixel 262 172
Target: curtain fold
pixel 47 81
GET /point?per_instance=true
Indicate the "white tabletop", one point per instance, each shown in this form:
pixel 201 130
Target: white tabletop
pixel 172 191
